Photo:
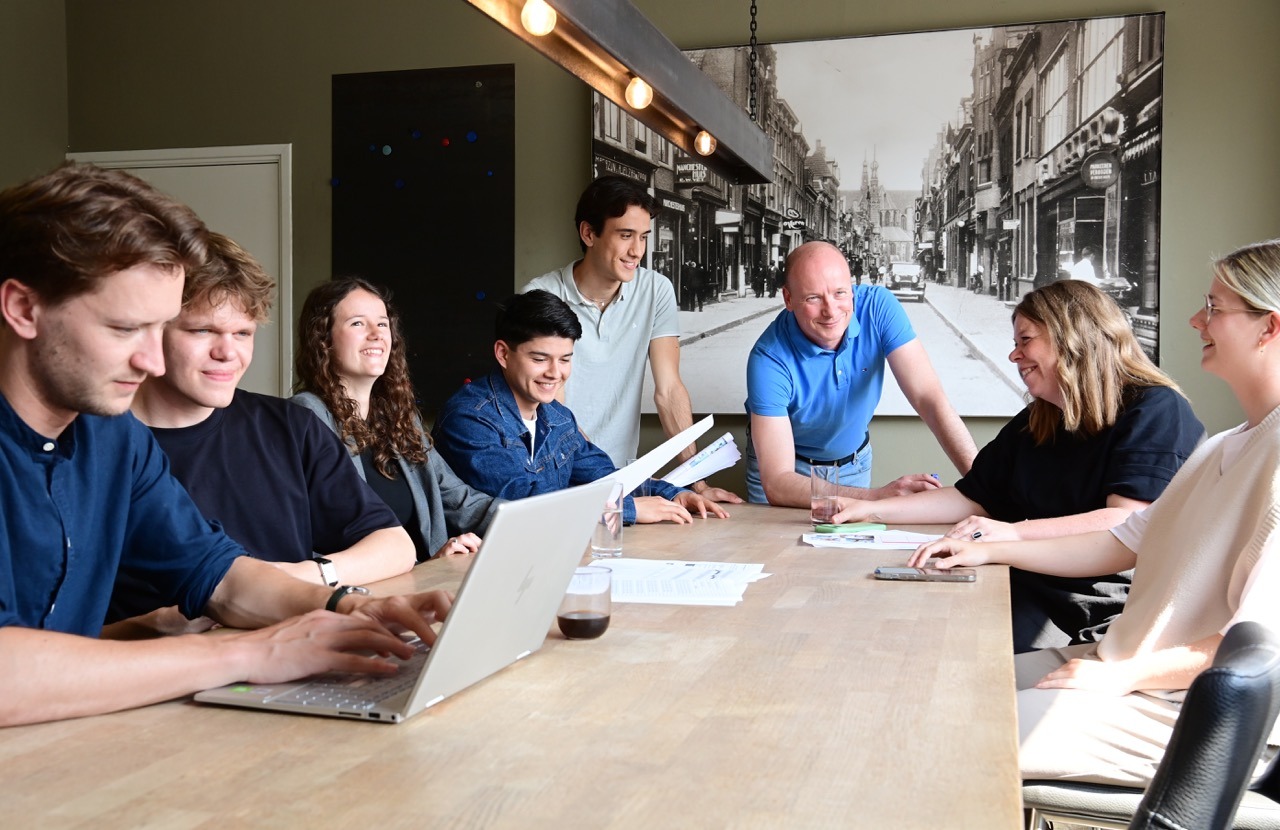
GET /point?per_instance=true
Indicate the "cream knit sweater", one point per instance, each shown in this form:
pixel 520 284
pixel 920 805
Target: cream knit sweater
pixel 1205 535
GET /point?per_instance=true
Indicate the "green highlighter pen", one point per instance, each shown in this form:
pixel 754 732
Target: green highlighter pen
pixel 849 528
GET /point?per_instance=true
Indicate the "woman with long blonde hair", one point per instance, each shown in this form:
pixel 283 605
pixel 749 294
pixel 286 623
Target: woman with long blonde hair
pixel 1104 432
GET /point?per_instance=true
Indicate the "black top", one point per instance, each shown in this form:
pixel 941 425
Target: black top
pixel 395 492
pixel 276 478
pixel 1014 479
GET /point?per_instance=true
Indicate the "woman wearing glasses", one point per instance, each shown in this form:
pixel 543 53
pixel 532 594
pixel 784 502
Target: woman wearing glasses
pixel 1204 557
pixel 1104 433
pixel 353 374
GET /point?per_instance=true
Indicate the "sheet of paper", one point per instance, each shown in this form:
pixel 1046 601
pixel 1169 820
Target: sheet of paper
pixel 714 457
pixel 873 540
pixel 681 582
pixel 637 471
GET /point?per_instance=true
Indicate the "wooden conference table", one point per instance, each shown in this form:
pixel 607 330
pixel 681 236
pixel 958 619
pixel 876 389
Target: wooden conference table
pixel 824 699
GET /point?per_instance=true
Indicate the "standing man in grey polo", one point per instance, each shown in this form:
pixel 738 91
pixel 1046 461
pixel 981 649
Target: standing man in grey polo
pixel 629 315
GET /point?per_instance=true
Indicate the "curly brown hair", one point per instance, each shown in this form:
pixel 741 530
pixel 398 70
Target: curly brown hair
pixel 394 427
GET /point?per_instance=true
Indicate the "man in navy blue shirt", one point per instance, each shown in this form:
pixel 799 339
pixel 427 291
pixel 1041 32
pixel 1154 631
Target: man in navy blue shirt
pixel 276 478
pixel 91 268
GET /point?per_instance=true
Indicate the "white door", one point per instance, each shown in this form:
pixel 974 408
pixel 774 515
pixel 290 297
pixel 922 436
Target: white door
pixel 243 192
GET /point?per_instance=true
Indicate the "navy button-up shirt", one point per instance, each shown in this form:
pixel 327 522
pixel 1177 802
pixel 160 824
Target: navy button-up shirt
pixel 72 510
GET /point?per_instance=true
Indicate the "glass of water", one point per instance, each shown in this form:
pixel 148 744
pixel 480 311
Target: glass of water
pixel 824 485
pixel 606 541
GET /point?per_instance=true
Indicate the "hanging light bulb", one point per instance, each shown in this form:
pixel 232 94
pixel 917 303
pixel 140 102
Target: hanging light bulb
pixel 639 94
pixel 537 17
pixel 705 143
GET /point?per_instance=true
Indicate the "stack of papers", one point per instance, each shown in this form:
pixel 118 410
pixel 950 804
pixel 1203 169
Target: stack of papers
pixel 635 473
pixel 680 583
pixel 870 539
pixel 716 456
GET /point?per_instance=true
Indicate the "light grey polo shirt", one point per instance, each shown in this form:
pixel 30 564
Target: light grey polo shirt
pixel 609 361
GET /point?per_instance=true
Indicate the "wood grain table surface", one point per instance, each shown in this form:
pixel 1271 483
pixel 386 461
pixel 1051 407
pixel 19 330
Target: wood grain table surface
pixel 824 699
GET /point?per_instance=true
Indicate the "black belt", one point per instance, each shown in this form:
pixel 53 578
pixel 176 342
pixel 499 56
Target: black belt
pixel 839 462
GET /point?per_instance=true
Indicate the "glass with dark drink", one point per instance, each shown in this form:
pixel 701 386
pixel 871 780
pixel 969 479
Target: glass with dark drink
pixel 586 607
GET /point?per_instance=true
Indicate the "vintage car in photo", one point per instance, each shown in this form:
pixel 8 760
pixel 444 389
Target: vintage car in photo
pixel 905 280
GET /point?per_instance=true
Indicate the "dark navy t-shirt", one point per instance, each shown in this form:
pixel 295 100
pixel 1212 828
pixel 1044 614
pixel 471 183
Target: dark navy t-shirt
pixel 1015 479
pixel 277 479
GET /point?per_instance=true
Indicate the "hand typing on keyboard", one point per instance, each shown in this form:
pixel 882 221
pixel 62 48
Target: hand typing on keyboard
pixel 357 641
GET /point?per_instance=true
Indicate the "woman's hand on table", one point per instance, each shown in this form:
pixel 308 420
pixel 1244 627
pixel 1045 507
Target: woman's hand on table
pixel 984 529
pixel 950 553
pixel 460 545
pixel 852 510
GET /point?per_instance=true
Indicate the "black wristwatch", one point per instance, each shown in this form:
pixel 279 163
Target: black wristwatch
pixel 328 571
pixel 336 596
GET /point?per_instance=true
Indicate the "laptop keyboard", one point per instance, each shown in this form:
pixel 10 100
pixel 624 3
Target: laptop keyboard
pixel 346 690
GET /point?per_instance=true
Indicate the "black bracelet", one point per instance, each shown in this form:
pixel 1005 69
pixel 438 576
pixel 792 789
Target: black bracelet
pixel 336 596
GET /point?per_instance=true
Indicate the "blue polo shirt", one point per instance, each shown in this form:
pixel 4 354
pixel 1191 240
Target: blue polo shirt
pixel 829 396
pixel 76 508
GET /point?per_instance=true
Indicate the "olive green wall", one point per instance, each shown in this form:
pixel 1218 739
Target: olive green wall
pixel 154 73
pixel 33 87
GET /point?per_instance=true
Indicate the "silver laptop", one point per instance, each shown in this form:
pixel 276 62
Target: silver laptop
pixel 502 612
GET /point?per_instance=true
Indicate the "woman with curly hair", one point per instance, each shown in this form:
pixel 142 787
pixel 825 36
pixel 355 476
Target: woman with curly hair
pixel 352 372
pixel 1103 434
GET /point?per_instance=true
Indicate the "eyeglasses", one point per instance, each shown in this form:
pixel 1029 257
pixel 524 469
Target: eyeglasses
pixel 1210 309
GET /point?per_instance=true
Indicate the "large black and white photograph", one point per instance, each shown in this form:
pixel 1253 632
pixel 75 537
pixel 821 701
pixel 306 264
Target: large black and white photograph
pixel 959 169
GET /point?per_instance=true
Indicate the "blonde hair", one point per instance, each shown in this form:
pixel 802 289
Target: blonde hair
pixel 1253 272
pixel 1099 360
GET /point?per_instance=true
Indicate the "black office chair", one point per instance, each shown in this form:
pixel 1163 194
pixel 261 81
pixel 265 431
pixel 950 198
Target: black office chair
pixel 1205 774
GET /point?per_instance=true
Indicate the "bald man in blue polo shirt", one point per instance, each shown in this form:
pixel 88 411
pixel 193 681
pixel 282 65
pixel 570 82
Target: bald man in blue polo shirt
pixel 814 378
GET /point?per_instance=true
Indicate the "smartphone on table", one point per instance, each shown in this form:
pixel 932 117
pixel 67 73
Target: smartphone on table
pixel 927 574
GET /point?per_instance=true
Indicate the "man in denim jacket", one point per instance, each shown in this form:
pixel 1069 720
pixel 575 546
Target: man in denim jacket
pixel 507 435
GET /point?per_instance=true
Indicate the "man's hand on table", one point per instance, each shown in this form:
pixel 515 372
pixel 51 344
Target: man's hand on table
pixel 906 485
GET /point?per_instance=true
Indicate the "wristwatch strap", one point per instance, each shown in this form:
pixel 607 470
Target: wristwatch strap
pixel 328 571
pixel 336 596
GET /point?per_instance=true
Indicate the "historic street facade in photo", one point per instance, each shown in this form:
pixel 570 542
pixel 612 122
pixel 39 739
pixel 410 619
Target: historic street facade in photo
pixel 1037 159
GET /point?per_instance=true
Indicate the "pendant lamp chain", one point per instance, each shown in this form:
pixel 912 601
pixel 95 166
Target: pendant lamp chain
pixel 751 103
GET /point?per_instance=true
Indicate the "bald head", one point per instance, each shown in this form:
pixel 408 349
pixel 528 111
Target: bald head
pixel 819 256
pixel 819 291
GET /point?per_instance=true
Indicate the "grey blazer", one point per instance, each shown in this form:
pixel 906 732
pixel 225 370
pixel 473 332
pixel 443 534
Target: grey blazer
pixel 445 505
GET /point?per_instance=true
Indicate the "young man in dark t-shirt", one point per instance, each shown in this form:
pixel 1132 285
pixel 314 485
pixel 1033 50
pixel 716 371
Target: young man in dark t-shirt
pixel 275 477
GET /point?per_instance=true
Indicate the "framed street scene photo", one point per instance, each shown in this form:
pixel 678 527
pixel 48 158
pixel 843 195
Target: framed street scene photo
pixel 960 169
